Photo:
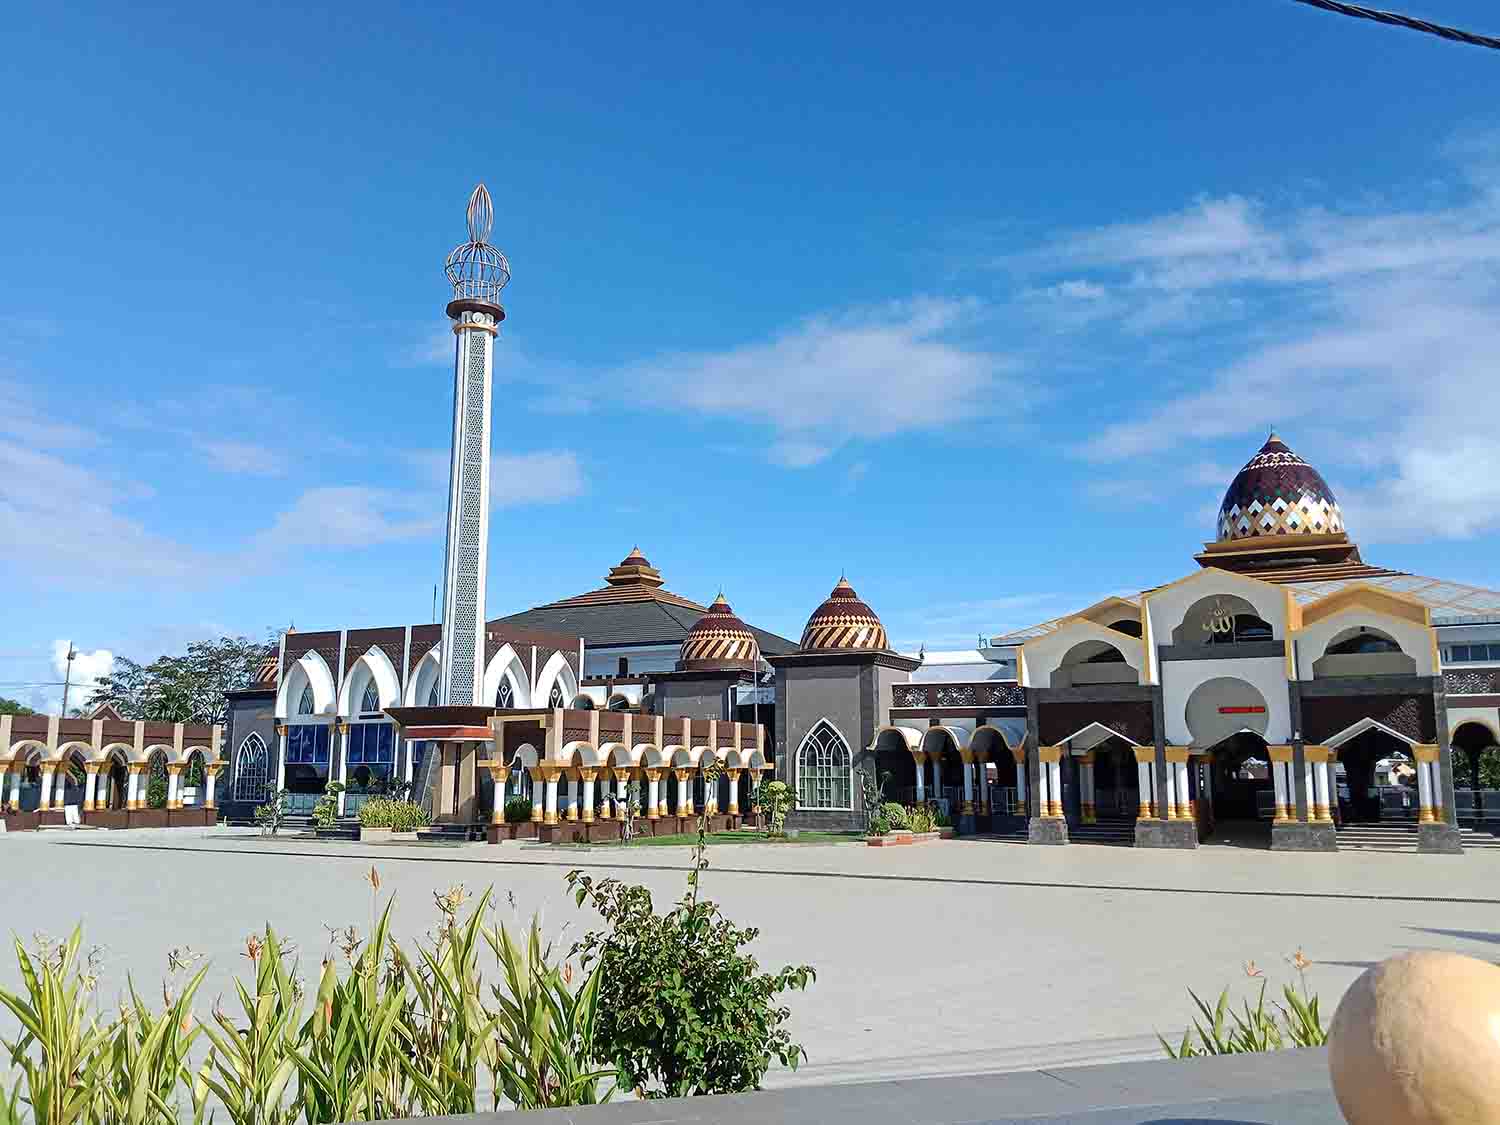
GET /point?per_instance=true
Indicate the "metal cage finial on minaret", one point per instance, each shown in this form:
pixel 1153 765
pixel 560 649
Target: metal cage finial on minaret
pixel 477 270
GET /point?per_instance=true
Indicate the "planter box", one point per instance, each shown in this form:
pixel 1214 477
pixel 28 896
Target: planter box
pixel 376 835
pixel 947 833
pixel 20 821
pixel 148 818
pixel 898 839
pixel 108 818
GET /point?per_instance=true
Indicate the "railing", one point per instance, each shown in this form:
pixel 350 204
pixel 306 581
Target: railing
pixel 985 693
pixel 301 804
pixel 1475 681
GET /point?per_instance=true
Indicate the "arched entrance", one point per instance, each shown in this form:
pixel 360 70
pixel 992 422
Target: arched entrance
pixel 1240 778
pixel 1116 780
pixel 896 767
pixel 1375 779
pixel 1476 770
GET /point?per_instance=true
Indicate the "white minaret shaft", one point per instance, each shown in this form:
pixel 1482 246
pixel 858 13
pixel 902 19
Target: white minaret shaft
pixel 478 272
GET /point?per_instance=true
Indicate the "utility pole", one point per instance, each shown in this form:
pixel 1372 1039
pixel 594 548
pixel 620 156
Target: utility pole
pixel 68 679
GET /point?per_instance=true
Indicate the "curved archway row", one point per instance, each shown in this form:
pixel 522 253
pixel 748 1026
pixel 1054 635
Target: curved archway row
pixel 938 753
pixel 102 766
pixel 582 778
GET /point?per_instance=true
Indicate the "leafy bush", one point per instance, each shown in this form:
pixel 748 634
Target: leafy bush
pixel 517 810
pixel 879 825
pixel 326 809
pixel 920 818
pixel 776 800
pixel 1295 1023
pixel 156 793
pixel 399 816
pixel 682 1008
pixel 940 819
pixel 393 1032
pixel 271 815
pixel 895 813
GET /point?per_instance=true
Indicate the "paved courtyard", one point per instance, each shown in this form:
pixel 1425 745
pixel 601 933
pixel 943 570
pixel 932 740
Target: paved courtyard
pixel 956 957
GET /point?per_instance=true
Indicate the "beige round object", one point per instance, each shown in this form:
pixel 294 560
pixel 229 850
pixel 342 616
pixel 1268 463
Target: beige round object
pixel 1416 1041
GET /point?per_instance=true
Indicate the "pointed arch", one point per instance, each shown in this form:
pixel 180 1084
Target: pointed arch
pixel 825 769
pixel 556 673
pixel 252 771
pixel 372 670
pixel 424 678
pixel 506 670
pixel 308 674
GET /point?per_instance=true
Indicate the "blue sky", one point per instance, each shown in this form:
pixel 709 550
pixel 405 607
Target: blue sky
pixel 981 306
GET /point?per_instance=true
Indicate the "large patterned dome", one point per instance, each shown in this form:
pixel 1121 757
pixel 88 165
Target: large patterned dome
pixel 1278 493
pixel 844 623
pixel 718 639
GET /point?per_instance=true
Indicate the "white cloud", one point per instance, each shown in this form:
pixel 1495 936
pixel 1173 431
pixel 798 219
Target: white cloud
pixel 88 667
pixel 241 457
pixel 1369 337
pixel 899 368
pixel 548 477
pixel 343 517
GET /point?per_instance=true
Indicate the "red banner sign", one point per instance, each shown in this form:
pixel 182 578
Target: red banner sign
pixel 1242 710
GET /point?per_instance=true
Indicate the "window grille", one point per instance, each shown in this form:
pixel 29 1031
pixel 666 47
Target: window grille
pixel 371 700
pixel 505 696
pixel 824 780
pixel 307 705
pixel 555 698
pixel 252 771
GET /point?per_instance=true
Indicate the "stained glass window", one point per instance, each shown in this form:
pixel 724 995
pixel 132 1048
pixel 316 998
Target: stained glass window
pixel 307 705
pixel 824 780
pixel 555 698
pixel 506 696
pixel 252 771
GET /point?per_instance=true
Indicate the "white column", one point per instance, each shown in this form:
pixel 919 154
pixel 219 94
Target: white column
pixel 921 782
pixel 1278 780
pixel 1143 787
pixel 280 763
pixel 572 800
pixel 1307 769
pixel 1021 784
pixel 46 800
pixel 1208 786
pixel 588 797
pixel 410 765
pixel 538 798
pixel 90 787
pixel 937 776
pixel 1320 780
pixel 550 816
pixel 1184 794
pixel 622 795
pixel 653 797
pixel 1424 793
pixel 1054 785
pixel 968 787
pixel 132 788
pixel 208 788
pixel 174 778
pixel 1086 791
pixel 343 752
pixel 1043 789
pixel 16 770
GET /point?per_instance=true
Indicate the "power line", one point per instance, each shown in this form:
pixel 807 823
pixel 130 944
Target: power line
pixel 1396 19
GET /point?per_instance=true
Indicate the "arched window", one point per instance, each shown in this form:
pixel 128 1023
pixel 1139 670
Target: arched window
pixel 505 695
pixel 1361 643
pixel 824 780
pixel 252 771
pixel 307 705
pixel 371 699
pixel 618 703
pixel 433 695
pixel 555 698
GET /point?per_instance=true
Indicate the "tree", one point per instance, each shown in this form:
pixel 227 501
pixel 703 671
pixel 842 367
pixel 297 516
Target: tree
pixel 182 689
pixel 11 707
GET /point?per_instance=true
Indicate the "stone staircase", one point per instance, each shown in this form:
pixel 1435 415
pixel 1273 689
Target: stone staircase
pixel 1402 837
pixel 1116 831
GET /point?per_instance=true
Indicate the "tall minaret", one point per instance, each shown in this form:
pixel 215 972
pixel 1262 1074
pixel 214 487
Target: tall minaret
pixel 478 272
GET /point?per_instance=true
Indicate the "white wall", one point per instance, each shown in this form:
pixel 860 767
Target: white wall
pixel 1266 674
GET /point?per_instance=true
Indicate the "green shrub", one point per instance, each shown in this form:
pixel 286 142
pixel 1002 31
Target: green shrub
pixel 399 816
pixel 1295 1023
pixel 517 810
pixel 776 799
pixel 682 1008
pixel 919 817
pixel 879 825
pixel 895 814
pixel 156 793
pixel 940 819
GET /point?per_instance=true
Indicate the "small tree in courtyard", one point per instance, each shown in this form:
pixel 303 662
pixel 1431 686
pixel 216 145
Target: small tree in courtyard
pixel 776 800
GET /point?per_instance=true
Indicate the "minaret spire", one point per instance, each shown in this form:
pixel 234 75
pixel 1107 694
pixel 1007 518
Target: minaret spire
pixel 478 272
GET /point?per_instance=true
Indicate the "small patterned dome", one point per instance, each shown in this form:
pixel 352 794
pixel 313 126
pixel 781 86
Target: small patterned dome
pixel 718 639
pixel 1278 493
pixel 844 622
